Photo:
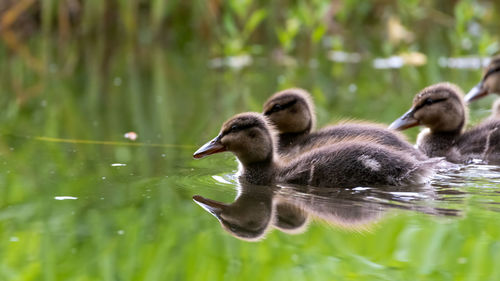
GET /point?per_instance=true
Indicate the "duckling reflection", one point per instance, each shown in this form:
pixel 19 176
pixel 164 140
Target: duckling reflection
pixel 290 218
pixel 259 208
pixel 343 208
pixel 249 216
pixel 290 209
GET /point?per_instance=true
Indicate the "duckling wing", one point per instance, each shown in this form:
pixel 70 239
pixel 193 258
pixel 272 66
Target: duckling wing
pixel 371 132
pixel 351 164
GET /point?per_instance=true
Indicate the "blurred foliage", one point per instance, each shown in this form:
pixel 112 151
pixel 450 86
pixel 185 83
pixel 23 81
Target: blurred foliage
pixel 242 26
pixel 52 40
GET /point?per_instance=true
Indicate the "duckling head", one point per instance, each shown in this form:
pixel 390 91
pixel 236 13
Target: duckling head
pixel 439 107
pixel 490 83
pixel 291 111
pixel 248 135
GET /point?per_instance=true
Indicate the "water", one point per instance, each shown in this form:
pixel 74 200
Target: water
pixel 80 201
pixel 257 210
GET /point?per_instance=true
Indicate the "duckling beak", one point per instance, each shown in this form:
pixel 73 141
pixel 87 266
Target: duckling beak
pixel 404 122
pixel 213 207
pixel 211 147
pixel 476 93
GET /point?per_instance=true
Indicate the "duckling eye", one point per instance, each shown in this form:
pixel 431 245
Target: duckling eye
pixel 428 101
pixel 276 107
pixel 234 128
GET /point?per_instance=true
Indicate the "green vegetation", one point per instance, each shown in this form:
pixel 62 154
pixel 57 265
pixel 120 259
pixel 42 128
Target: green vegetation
pixel 94 70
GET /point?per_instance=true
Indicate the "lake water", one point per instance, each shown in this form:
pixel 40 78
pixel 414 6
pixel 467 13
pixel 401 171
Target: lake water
pixel 82 202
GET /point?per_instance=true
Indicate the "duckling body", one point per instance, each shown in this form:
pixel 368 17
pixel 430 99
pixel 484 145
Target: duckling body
pixel 346 164
pixel 344 131
pixel 440 144
pixel 482 142
pixel 350 164
pixel 292 112
pixel 442 110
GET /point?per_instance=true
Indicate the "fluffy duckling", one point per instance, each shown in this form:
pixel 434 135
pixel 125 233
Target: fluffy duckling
pixel 490 83
pixel 346 164
pixel 292 113
pixel 442 110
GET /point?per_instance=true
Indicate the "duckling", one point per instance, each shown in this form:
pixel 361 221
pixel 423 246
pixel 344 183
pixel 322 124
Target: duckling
pixel 251 138
pixel 490 83
pixel 292 112
pixel 441 108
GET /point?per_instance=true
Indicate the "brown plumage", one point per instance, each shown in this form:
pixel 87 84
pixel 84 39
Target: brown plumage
pixel 442 110
pixel 292 112
pixel 345 164
pixel 490 82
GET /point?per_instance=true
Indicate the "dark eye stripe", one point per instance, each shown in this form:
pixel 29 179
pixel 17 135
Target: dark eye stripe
pixel 243 232
pixel 491 71
pixel 426 102
pixel 279 107
pixel 237 128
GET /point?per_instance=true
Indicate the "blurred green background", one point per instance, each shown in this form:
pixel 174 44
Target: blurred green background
pixel 173 71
